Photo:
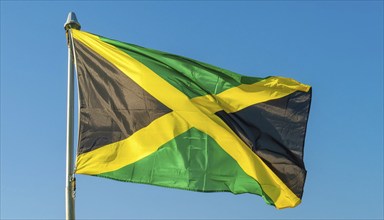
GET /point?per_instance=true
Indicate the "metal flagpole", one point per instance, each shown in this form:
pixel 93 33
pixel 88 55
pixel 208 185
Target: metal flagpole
pixel 70 177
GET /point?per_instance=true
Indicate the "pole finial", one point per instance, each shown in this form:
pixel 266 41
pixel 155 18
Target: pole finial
pixel 72 22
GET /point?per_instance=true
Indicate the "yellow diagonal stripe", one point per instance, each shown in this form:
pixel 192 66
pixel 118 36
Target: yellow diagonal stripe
pixel 139 145
pixel 186 114
pixel 138 72
pixel 248 161
pixel 233 99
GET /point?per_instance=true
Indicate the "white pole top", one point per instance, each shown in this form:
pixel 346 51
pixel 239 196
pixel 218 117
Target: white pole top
pixel 72 22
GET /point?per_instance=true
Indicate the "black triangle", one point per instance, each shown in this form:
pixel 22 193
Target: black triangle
pixel 275 131
pixel 112 106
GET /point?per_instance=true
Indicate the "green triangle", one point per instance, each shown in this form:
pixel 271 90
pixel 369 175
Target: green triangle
pixel 192 77
pixel 192 161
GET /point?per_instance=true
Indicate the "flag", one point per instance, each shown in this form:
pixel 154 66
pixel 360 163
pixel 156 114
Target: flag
pixel 152 117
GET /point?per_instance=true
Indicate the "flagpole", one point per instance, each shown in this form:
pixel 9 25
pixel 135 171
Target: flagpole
pixel 70 177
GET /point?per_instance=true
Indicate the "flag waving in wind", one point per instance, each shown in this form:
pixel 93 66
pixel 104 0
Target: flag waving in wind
pixel 151 117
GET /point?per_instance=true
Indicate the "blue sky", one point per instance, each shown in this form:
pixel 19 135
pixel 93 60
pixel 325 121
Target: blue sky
pixel 334 46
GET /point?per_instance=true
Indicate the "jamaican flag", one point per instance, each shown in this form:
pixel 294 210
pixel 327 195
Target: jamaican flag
pixel 152 117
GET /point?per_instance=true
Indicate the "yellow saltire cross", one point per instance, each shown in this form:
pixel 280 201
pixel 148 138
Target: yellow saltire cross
pixel 187 113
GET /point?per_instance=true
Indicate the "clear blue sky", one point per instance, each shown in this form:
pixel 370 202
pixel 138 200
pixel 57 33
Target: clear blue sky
pixel 336 47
